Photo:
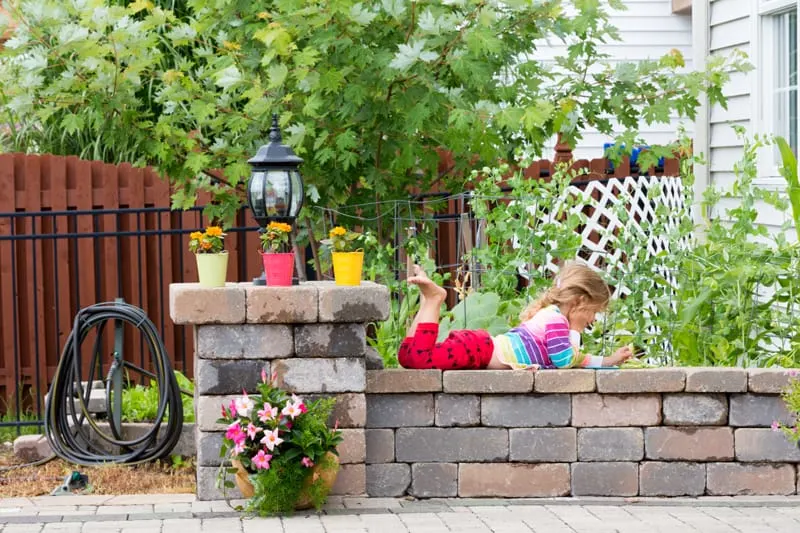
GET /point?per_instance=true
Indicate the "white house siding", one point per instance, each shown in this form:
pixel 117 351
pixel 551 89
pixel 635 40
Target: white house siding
pixel 648 30
pixel 731 26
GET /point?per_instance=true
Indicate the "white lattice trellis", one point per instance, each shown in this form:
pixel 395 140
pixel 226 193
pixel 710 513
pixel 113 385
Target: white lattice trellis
pixel 640 198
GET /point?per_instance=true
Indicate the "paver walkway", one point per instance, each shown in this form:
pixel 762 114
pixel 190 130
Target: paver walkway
pixel 183 514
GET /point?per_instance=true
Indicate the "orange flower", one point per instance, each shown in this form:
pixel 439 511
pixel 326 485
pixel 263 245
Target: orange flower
pixel 338 231
pixel 196 235
pixel 214 231
pixel 280 226
pixel 206 245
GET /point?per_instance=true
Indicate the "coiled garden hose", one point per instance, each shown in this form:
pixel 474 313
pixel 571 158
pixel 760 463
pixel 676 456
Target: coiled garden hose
pixel 72 431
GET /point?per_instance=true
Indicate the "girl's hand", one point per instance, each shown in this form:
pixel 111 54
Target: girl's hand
pixel 620 356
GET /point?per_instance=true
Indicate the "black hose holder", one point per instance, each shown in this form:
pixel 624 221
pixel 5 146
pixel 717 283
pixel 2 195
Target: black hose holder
pixel 72 430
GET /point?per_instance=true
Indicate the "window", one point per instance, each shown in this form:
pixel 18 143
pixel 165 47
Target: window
pixel 777 68
pixel 784 95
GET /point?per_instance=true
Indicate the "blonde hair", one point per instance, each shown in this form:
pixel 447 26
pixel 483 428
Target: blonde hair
pixel 574 281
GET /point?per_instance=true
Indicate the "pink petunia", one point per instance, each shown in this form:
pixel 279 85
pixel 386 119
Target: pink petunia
pixel 261 460
pixel 263 376
pixel 307 462
pixel 233 430
pixel 238 449
pixel 793 373
pixel 244 405
pixel 252 430
pixel 271 439
pixel 775 425
pixel 291 410
pixel 224 412
pixel 267 413
pixel 299 404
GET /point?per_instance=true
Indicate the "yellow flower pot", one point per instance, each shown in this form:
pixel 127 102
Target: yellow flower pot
pixel 212 269
pixel 347 267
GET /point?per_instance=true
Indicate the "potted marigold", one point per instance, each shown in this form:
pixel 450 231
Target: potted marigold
pixel 283 452
pixel 347 255
pixel 212 259
pixel 278 260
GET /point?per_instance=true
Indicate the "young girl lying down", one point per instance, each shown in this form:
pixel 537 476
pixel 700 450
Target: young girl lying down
pixel 542 340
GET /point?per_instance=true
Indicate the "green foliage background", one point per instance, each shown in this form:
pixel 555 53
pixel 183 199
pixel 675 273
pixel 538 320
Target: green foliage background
pixel 368 92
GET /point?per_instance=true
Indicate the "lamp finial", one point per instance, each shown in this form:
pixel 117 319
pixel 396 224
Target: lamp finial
pixel 275 131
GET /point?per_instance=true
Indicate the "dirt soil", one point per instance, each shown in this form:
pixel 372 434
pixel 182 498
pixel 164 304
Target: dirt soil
pixel 151 478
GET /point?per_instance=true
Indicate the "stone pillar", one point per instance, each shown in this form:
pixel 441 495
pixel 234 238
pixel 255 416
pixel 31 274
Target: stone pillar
pixel 312 335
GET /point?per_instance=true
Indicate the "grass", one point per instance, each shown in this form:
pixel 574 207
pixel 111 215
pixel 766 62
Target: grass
pixel 9 433
pixel 153 478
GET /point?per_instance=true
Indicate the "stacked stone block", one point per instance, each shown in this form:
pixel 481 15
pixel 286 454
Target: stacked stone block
pixel 313 336
pixel 659 432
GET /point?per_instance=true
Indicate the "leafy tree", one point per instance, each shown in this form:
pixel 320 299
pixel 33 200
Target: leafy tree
pixel 368 92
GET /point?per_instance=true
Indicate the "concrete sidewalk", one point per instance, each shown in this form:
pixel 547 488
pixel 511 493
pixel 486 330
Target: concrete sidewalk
pixel 181 513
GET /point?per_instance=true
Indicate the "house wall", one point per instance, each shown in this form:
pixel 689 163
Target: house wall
pixel 729 25
pixel 648 30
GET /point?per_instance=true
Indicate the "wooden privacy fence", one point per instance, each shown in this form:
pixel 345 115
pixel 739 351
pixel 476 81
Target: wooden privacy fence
pixel 74 233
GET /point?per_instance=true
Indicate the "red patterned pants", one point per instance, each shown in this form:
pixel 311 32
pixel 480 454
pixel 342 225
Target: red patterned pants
pixel 462 350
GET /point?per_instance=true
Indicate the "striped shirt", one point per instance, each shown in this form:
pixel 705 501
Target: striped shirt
pixel 542 341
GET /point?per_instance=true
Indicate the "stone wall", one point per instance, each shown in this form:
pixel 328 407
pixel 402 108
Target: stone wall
pixel 427 433
pixel 661 432
pixel 312 335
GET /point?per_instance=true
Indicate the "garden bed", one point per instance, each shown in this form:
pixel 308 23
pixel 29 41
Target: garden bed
pixel 152 478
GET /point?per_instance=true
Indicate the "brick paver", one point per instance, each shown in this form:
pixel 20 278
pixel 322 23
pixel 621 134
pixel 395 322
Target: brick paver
pixel 181 513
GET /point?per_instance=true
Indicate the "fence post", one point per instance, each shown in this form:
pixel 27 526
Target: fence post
pixel 563 151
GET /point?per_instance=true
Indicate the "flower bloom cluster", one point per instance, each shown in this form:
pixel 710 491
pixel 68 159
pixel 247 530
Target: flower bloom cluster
pixel 210 241
pixel 260 432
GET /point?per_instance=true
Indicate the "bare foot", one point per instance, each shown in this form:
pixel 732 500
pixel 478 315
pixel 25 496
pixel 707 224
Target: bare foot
pixel 427 287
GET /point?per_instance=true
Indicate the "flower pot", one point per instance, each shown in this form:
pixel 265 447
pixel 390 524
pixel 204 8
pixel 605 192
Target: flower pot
pixel 278 268
pixel 327 475
pixel 347 267
pixel 212 269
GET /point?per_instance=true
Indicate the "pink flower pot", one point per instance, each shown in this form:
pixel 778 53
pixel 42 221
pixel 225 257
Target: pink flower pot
pixel 278 269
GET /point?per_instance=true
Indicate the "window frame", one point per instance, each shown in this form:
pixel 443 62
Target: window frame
pixel 765 17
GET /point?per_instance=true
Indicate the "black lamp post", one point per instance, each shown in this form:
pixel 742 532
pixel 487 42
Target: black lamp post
pixel 275 191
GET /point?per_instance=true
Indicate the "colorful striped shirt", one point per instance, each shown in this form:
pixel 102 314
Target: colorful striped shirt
pixel 542 341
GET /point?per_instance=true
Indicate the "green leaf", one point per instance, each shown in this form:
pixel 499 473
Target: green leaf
pixel 277 75
pixel 360 15
pixel 228 77
pixel 72 123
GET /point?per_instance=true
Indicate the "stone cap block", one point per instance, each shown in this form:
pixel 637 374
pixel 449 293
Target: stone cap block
pixel 298 304
pixel 488 381
pixel 768 380
pixel 564 381
pixel 643 380
pixel 189 303
pixel 401 380
pixel 716 380
pixel 368 302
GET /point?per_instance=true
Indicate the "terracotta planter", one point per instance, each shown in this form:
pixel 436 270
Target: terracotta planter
pixel 278 268
pixel 303 501
pixel 347 267
pixel 212 269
